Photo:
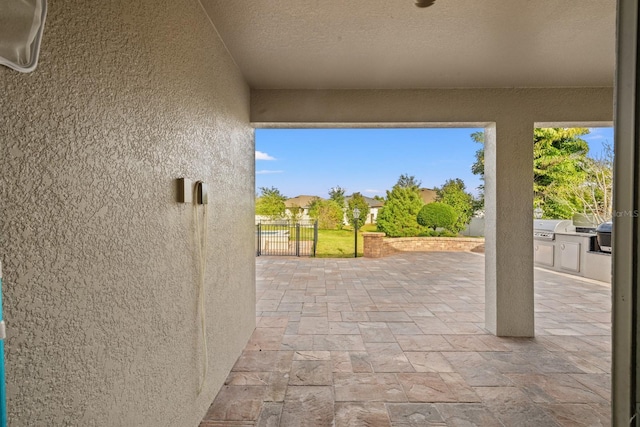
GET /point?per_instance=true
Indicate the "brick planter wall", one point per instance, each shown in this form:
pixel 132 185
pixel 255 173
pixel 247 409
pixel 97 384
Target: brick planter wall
pixel 377 246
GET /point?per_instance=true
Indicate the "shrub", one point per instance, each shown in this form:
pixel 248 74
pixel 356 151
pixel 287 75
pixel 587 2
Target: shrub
pixel 453 194
pixel 398 216
pixel 270 203
pixel 437 215
pixel 357 200
pixel 327 212
pixel 433 233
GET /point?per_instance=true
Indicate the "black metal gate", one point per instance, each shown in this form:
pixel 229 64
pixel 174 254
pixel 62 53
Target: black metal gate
pixel 286 238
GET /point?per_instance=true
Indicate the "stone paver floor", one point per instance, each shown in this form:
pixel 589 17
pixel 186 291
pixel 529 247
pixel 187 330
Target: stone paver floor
pixel 399 341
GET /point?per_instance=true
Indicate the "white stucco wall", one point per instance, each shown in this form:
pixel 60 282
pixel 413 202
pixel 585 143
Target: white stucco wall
pixel 626 245
pixel 99 261
pixel 374 212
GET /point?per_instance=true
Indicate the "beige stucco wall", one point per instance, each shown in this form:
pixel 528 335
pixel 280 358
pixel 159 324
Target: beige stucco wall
pixel 99 262
pixel 430 107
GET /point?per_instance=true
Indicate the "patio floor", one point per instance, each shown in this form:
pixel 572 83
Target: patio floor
pixel 399 341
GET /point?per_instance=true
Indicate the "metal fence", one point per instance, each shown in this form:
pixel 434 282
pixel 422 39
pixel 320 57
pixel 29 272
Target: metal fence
pixel 286 238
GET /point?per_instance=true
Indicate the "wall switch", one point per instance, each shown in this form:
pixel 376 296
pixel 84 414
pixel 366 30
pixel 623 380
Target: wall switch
pixel 185 192
pixel 202 193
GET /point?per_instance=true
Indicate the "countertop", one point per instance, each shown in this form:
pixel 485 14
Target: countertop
pixel 575 233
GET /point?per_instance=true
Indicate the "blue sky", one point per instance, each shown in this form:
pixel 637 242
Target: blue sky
pixel 369 161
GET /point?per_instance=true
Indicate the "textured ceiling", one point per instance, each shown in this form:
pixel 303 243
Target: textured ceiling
pixel 393 44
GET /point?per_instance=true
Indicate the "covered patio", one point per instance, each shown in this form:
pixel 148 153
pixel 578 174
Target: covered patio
pixel 110 321
pixel 400 341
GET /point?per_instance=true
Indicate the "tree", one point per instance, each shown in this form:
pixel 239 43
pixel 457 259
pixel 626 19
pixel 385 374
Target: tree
pixel 438 215
pixel 327 212
pixel 398 216
pixel 295 213
pixel 270 203
pixel 357 201
pixel 595 193
pixel 477 168
pixel 559 159
pixel 406 181
pixel 453 193
pixel 337 195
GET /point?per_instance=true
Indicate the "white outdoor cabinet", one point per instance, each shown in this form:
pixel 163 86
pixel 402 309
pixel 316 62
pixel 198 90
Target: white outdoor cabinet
pixel 569 256
pixel 543 253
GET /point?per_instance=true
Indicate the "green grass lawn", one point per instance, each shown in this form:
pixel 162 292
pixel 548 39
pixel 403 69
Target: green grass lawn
pixel 340 243
pixel 369 228
pixel 331 243
pixel 337 244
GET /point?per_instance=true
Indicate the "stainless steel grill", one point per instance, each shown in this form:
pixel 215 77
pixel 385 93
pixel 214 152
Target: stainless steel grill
pixel 546 229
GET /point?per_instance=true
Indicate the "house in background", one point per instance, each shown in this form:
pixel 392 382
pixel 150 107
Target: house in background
pixel 374 207
pixel 298 207
pixel 428 195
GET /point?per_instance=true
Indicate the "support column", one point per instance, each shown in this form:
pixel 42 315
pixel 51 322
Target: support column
pixel 625 376
pixel 509 309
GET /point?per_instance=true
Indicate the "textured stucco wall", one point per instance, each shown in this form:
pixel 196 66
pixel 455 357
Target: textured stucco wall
pixel 99 262
pixel 508 190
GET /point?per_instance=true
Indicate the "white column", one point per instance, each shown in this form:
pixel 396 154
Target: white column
pixel 626 224
pixel 509 309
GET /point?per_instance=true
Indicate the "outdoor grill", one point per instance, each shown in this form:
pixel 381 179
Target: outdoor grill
pixel 546 229
pixel 604 236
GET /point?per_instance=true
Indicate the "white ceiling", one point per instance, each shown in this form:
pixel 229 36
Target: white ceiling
pixel 392 44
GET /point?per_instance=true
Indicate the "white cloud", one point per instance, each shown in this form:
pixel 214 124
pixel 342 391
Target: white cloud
pixel 263 156
pixel 372 191
pixel 266 172
pixel 597 134
pixel 593 136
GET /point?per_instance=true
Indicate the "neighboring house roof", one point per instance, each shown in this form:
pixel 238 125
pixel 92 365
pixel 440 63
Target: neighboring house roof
pixel 373 203
pixel 300 201
pixel 428 195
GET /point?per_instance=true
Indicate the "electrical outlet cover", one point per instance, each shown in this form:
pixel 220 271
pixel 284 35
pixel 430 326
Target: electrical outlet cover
pixel 203 194
pixel 185 192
